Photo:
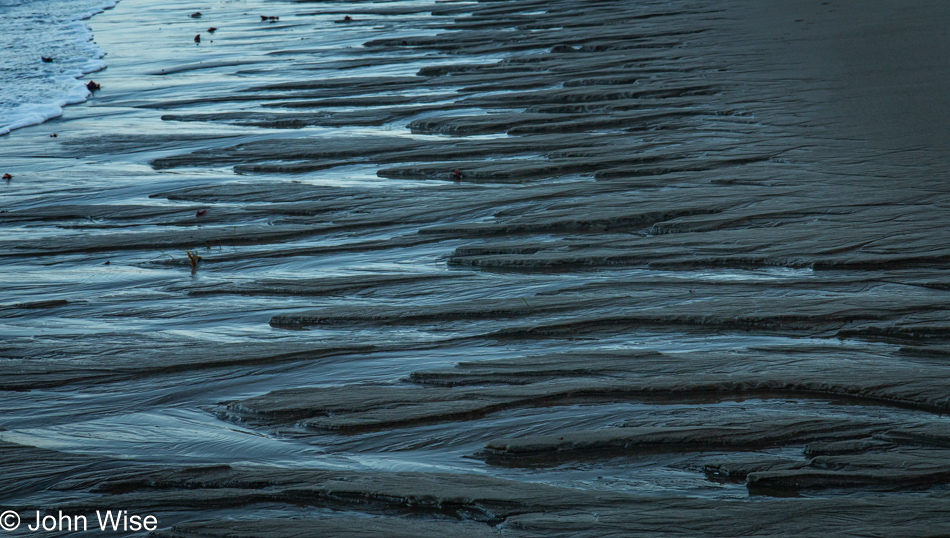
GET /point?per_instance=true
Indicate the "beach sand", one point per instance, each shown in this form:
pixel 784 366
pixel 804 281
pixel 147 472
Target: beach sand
pixel 881 62
pixel 689 276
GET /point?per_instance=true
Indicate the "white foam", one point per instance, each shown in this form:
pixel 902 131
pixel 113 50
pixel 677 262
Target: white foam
pixel 32 91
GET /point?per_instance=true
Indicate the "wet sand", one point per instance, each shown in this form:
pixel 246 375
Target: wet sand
pixel 691 279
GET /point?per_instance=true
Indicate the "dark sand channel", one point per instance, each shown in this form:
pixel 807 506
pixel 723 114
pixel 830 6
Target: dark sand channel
pixel 692 279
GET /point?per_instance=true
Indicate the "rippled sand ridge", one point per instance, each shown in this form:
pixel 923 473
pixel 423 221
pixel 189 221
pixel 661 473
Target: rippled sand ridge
pixel 488 268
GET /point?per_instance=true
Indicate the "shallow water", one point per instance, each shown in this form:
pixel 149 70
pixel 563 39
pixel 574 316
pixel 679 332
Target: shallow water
pixel 340 276
pixel 31 89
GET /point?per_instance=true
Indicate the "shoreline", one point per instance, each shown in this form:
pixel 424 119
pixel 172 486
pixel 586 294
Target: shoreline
pixel 39 113
pixel 676 282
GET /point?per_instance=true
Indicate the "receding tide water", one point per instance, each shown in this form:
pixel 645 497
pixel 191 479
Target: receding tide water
pixel 620 200
pixel 33 90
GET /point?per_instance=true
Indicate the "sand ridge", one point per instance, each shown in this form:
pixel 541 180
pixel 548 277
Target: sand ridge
pixel 677 286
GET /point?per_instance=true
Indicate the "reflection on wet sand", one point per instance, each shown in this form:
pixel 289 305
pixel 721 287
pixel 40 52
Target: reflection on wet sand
pixel 475 268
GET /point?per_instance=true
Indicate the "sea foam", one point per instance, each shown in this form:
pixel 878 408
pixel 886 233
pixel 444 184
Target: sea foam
pixel 33 91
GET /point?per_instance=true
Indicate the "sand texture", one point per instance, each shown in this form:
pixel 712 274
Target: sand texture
pixel 493 268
